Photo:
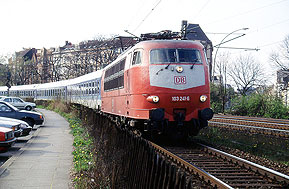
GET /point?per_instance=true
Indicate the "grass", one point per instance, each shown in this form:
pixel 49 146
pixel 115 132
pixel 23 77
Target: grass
pixel 83 153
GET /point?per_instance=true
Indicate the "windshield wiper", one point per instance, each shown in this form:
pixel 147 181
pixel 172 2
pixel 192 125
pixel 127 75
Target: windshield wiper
pixel 192 67
pixel 168 65
pixel 159 71
pixel 195 61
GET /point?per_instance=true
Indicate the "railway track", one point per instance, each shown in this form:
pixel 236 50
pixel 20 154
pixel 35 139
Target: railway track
pixel 259 119
pixel 266 126
pixel 223 170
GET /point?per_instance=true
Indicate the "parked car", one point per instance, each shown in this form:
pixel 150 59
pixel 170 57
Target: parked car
pixel 7 138
pixel 19 103
pixel 23 125
pixel 15 126
pixel 30 117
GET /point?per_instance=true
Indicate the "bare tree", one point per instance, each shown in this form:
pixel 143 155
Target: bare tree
pixel 66 62
pixel 246 74
pixel 3 71
pixel 281 58
pixel 221 71
pixel 221 67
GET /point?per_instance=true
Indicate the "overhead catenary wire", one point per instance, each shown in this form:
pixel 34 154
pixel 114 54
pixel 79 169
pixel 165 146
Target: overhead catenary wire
pixel 269 26
pixel 269 44
pixel 257 30
pixel 136 14
pixel 220 33
pixel 250 11
pixel 147 16
pixel 202 8
pixel 252 31
pixel 246 12
pixel 257 48
pixel 241 48
pixel 218 45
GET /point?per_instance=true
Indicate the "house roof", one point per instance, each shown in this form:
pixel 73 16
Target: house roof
pixel 195 32
pixel 27 54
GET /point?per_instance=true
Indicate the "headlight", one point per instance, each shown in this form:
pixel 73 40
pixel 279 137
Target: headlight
pixel 22 125
pixel 154 99
pixel 179 69
pixel 203 98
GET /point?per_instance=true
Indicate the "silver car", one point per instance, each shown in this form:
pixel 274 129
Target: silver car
pixel 23 125
pixel 18 103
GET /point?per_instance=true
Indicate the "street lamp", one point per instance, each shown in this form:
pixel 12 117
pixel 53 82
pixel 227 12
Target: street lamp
pixel 222 42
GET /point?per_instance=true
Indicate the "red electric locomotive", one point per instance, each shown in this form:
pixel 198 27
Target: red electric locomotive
pixel 161 86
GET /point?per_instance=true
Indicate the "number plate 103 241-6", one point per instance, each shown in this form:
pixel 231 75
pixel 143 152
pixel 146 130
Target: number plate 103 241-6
pixel 180 98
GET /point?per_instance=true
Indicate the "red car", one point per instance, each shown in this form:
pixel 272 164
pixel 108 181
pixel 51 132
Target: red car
pixel 7 138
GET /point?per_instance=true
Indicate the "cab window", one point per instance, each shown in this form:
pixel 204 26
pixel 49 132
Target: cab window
pixel 137 57
pixel 160 56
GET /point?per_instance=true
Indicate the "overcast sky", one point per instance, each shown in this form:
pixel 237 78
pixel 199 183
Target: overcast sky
pixel 39 23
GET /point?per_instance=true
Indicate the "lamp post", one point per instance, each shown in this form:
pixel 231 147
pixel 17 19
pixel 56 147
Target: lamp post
pixel 213 69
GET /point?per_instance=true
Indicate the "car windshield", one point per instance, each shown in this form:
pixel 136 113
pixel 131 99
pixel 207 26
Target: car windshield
pixel 18 100
pixel 9 105
pixel 159 56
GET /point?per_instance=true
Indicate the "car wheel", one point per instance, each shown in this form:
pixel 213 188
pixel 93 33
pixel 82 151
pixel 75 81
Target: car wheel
pixel 30 122
pixel 28 108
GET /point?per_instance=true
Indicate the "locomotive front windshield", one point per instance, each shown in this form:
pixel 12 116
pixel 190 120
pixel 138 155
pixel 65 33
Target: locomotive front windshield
pixel 160 56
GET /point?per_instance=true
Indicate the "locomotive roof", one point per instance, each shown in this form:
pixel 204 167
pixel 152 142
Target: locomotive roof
pixel 170 42
pixel 152 42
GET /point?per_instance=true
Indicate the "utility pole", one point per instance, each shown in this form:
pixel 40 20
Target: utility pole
pixel 8 80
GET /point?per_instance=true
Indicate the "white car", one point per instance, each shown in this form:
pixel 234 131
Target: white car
pixel 18 103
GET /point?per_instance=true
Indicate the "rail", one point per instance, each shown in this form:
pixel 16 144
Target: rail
pixel 273 127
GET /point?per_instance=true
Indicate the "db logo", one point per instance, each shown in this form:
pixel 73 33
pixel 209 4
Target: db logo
pixel 180 80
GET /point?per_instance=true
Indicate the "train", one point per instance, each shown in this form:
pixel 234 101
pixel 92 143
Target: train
pixel 159 86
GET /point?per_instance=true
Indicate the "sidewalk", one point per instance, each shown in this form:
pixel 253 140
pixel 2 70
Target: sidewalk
pixel 44 161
